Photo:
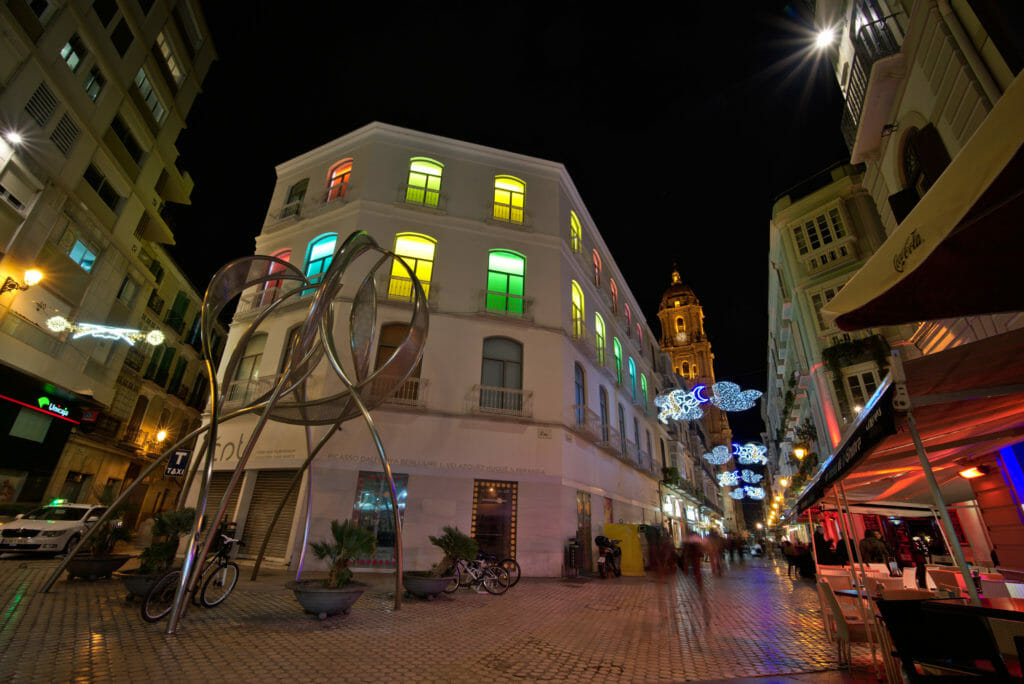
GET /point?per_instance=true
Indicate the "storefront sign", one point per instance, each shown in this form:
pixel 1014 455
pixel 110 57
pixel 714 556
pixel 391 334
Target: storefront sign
pixel 178 463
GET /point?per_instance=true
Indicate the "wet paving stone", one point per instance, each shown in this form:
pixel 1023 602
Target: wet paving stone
pixel 751 622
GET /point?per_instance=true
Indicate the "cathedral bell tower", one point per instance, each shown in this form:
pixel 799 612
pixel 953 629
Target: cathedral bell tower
pixel 682 333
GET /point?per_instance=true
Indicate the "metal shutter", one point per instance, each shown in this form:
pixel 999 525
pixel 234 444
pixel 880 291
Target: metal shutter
pixel 218 485
pixel 266 496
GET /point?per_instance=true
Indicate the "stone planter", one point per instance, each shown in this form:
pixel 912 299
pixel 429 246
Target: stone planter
pixel 92 568
pixel 321 601
pixel 138 584
pixel 424 585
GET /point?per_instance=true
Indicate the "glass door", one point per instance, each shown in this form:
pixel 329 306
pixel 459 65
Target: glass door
pixel 494 517
pixel 372 510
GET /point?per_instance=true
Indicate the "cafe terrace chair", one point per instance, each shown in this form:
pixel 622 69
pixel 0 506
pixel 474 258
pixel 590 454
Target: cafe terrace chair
pixel 825 587
pixel 905 594
pixel 994 589
pixel 848 630
pixel 950 579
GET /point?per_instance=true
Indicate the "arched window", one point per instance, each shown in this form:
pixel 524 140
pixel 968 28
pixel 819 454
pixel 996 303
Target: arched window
pixel 597 269
pixel 643 389
pixel 617 355
pixel 578 324
pixel 686 369
pixel 272 288
pixel 632 378
pixel 680 324
pixel 417 251
pixel 501 375
pixel 629 316
pixel 392 335
pixel 579 384
pixel 639 334
pixel 509 199
pixel 247 374
pixel 599 338
pixel 603 398
pixel 424 186
pixel 615 295
pixel 318 257
pixel 622 430
pixel 506 276
pixel 575 232
pixel 337 179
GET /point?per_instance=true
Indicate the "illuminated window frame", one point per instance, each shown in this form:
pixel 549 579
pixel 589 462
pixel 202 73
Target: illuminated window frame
pixel 509 199
pixel 319 255
pixel 643 390
pixel 272 288
pixel 337 180
pixel 424 186
pixel 597 269
pixel 506 282
pixel 599 338
pixel 575 232
pixel 167 52
pixel 578 311
pixel 418 251
pixel 617 356
pixel 632 379
pixel 615 294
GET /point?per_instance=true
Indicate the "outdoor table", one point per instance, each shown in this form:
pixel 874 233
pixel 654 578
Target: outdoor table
pixel 999 607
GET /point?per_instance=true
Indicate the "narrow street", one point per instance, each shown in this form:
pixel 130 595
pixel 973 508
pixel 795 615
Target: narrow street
pixel 751 622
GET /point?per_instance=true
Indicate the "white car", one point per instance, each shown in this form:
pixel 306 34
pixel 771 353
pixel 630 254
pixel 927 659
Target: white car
pixel 51 529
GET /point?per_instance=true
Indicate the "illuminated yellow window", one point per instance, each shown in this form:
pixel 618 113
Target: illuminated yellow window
pixel 599 338
pixel 337 179
pixel 509 195
pixel 424 186
pixel 417 251
pixel 577 311
pixel 575 232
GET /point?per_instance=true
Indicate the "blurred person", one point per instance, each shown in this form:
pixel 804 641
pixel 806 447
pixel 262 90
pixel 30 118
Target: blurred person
pixel 872 548
pixel 715 545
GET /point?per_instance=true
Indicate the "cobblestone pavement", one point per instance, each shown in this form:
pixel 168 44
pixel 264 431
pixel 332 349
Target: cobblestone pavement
pixel 752 622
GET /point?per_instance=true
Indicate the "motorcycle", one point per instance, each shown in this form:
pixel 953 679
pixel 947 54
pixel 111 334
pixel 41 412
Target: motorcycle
pixel 609 559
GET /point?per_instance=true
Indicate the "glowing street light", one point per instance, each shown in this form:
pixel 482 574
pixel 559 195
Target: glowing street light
pixel 161 435
pixel 14 137
pixel 784 482
pixel 32 277
pixel 799 453
pixel 824 38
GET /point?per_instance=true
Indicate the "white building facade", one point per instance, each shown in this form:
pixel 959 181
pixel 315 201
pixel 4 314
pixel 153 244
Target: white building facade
pixel 530 419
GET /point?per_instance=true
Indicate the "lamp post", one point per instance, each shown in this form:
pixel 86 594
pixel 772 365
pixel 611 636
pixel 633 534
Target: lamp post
pixel 32 277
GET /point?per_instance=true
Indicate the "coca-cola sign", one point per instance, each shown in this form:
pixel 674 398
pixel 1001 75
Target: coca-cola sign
pixel 912 242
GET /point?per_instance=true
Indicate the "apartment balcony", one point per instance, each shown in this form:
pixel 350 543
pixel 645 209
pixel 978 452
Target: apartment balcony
pixel 500 401
pixel 398 290
pixel 155 303
pixel 27 332
pixel 610 440
pixel 258 298
pixel 241 393
pixel 175 321
pixel 876 72
pixel 411 393
pixel 585 422
pixel 505 305
pixel 419 197
pixel 106 427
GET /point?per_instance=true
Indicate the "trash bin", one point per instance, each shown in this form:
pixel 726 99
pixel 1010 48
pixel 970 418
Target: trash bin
pixel 573 565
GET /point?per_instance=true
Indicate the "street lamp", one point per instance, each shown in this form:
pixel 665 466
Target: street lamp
pixel 13 137
pixel 824 38
pixel 32 277
pixel 799 453
pixel 784 482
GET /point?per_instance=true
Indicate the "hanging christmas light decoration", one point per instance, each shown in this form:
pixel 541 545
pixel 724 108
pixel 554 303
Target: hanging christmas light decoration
pixel 729 478
pixel 750 476
pixel 736 494
pixel 680 404
pixel 750 453
pixel 103 332
pixel 718 456
pixel 754 492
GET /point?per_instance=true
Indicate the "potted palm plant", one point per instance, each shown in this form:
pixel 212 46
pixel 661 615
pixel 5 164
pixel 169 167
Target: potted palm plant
pixel 336 593
pixel 157 558
pixel 455 545
pixel 100 559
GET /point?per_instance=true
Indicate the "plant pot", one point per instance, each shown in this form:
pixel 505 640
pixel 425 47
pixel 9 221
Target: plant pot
pixel 424 585
pixel 322 601
pixel 137 583
pixel 94 567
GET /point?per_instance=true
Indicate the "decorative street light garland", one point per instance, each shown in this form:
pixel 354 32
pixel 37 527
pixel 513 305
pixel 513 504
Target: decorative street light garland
pixel 680 404
pixel 104 332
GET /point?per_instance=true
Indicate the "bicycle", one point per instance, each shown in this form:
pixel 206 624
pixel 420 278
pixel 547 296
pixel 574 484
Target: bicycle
pixel 215 584
pixel 509 564
pixel 493 578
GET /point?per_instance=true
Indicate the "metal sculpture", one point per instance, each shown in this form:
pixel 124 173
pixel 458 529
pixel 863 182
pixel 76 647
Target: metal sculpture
pixel 288 401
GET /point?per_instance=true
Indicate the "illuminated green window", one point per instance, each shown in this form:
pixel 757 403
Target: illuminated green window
pixel 575 232
pixel 424 186
pixel 418 252
pixel 617 353
pixel 318 257
pixel 643 389
pixel 509 195
pixel 632 378
pixel 599 338
pixel 506 275
pixel 577 311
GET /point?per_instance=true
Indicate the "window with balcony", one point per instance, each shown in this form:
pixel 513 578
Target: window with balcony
pixel 602 395
pixel 579 385
pixel 424 188
pixel 293 201
pixel 597 269
pixel 578 324
pixel 818 300
pixel 337 180
pixel 247 374
pixel 128 291
pixel 506 277
pixel 632 379
pixel 575 232
pixel 820 240
pixel 98 182
pixel 643 390
pixel 417 251
pixel 94 83
pixel 629 317
pixel 615 295
pixel 73 52
pixel 272 289
pixel 861 383
pixel 509 199
pixel 501 374
pixel 639 334
pixel 391 336
pixel 123 133
pixel 636 436
pixel 149 96
pixel 617 355
pixel 599 338
pixel 318 257
pixel 77 246
pixel 622 429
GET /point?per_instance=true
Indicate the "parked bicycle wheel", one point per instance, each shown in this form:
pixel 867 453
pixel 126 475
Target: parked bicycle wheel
pixel 512 566
pixel 160 599
pixel 456 580
pixel 219 584
pixel 496 580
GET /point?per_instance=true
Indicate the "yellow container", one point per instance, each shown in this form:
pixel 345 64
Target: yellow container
pixel 632 558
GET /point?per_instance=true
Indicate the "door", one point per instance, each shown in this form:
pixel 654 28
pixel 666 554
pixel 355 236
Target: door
pixel 494 517
pixel 583 525
pixel 373 511
pixel 271 486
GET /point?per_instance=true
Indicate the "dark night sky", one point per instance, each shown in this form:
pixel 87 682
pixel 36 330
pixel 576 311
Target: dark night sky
pixel 679 124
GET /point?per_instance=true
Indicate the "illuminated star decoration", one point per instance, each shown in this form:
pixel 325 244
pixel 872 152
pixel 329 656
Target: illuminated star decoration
pixel 718 456
pixel 736 494
pixel 754 492
pixel 750 476
pixel 729 478
pixel 750 453
pixel 682 405
pixel 104 332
